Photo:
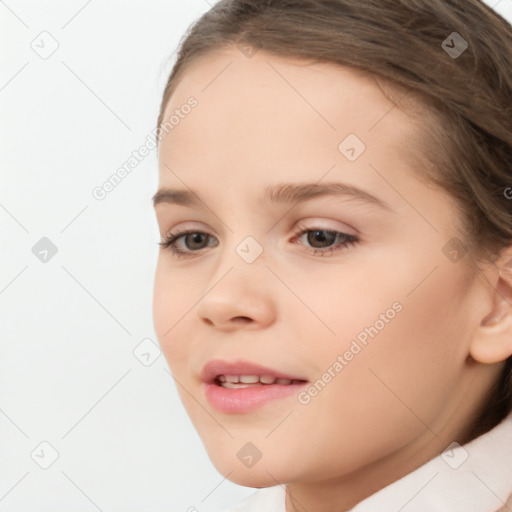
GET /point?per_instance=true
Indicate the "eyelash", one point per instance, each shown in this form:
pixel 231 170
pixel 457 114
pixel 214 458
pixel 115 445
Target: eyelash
pixel 169 242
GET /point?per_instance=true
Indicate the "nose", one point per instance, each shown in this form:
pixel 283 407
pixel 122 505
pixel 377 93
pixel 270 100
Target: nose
pixel 238 301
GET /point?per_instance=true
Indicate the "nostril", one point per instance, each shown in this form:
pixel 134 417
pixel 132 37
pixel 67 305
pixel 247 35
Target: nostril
pixel 241 319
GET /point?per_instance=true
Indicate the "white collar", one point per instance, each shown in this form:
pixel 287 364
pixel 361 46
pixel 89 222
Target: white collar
pixel 474 478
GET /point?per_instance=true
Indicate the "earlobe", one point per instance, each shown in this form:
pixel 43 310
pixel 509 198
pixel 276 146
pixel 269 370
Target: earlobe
pixel 492 342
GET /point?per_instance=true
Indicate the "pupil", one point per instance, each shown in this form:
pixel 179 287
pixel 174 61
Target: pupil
pixel 319 236
pixel 196 237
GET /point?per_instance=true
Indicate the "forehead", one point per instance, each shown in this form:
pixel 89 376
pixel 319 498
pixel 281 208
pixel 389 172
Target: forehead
pixel 266 76
pixel 270 109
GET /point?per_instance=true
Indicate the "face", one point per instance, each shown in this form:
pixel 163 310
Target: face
pixel 346 287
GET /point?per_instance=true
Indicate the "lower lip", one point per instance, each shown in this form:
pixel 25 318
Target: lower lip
pixel 242 400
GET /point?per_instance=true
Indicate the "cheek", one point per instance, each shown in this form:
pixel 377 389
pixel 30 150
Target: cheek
pixel 395 359
pixel 172 304
pixel 409 367
pixel 397 386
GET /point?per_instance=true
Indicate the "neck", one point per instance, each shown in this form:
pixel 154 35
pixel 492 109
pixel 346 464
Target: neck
pixel 343 493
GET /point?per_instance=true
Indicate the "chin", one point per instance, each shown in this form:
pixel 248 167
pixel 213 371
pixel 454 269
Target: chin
pixel 253 478
pixel 264 473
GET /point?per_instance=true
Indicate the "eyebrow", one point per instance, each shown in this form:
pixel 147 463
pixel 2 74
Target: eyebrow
pixel 278 194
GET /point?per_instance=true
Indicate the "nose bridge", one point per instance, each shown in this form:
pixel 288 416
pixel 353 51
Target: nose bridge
pixel 244 239
pixel 241 269
pixel 239 287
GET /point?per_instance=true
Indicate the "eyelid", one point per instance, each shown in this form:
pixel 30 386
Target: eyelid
pixel 307 223
pixel 189 226
pixel 324 224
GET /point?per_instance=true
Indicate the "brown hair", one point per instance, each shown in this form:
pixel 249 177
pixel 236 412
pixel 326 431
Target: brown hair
pixel 467 132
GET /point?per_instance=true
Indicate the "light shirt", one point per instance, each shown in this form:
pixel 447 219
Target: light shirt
pixel 476 477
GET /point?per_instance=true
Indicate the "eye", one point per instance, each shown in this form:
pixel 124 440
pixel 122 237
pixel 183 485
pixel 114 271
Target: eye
pixel 321 241
pixel 191 239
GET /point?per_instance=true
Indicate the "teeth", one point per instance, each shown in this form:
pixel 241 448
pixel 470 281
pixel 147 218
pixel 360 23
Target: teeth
pixel 239 385
pixel 249 379
pixel 244 381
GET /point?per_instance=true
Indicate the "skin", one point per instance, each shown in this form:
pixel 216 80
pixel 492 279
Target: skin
pixel 416 386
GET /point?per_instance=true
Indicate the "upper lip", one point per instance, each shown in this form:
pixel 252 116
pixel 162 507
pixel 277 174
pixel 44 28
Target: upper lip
pixel 216 367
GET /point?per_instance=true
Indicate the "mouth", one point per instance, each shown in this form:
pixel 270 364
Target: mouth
pixel 242 386
pixel 249 381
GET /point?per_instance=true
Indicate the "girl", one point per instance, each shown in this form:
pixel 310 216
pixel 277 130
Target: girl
pixel 333 288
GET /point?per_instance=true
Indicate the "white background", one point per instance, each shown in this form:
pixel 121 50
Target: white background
pixel 68 327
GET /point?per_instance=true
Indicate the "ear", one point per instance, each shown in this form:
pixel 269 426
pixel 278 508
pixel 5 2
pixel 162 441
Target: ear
pixel 492 343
